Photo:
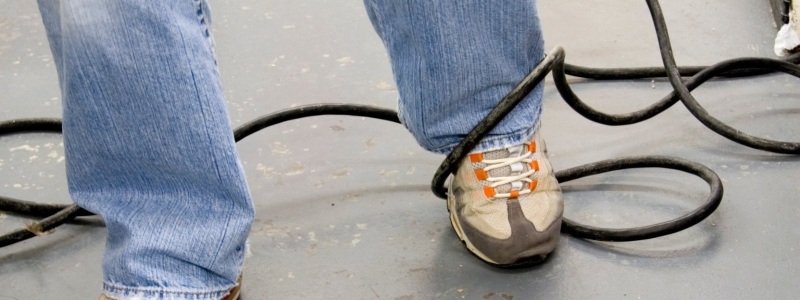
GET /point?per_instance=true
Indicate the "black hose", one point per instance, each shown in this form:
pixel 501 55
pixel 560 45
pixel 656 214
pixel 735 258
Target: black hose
pixel 650 231
pixel 660 72
pixel 554 61
pixel 69 212
pixel 698 111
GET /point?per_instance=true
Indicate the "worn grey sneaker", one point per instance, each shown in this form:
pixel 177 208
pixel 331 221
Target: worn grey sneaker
pixel 506 206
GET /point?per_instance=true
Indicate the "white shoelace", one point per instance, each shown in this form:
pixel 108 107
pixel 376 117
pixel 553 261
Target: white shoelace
pixel 516 165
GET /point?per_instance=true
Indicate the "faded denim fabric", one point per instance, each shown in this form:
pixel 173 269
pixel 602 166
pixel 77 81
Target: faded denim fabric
pixel 454 60
pixel 148 140
pixel 149 144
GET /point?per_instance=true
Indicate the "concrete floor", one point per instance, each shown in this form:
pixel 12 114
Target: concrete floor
pixel 357 220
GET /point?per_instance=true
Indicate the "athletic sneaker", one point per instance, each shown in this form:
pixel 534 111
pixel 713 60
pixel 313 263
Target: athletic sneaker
pixel 506 206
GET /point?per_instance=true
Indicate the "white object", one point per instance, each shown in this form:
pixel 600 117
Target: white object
pixel 794 16
pixel 788 37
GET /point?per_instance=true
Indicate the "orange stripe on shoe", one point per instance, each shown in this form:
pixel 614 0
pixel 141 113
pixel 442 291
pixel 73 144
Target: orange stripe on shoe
pixel 488 191
pixel 514 194
pixel 535 165
pixel 532 147
pixel 476 157
pixel 481 174
pixel 533 184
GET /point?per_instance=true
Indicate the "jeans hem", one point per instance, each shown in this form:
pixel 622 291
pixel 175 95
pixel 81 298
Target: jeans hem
pixel 494 142
pixel 119 292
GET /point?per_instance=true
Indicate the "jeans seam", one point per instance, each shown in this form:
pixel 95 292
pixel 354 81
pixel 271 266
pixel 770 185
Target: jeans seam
pixel 114 289
pixel 212 153
pixel 204 22
pixel 385 38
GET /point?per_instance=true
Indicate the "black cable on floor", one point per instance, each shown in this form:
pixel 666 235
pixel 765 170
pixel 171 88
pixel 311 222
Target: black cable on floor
pixel 554 61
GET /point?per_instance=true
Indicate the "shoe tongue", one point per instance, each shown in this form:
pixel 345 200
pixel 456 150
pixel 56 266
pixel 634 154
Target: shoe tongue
pixel 514 151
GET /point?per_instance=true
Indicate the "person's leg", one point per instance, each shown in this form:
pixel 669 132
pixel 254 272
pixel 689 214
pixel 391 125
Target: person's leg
pixel 453 61
pixel 149 145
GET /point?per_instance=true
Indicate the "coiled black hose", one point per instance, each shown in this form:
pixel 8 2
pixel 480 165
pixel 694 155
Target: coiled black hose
pixel 740 67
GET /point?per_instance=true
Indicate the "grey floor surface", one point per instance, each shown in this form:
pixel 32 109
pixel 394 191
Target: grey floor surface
pixel 344 208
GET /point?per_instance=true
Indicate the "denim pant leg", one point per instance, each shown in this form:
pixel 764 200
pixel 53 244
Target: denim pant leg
pixel 149 144
pixel 454 60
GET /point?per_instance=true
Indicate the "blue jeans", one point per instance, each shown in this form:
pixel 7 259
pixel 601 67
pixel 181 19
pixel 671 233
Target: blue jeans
pixel 148 140
pixel 454 60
